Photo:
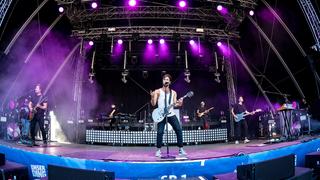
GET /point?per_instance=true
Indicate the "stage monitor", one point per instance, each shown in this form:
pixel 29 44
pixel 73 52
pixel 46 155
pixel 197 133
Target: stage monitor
pixel 2 159
pixel 278 168
pixel 60 172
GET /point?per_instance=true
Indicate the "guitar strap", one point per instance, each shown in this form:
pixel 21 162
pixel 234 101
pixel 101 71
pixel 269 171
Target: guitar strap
pixel 165 103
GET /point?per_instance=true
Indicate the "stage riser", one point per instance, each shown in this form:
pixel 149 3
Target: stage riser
pixel 149 137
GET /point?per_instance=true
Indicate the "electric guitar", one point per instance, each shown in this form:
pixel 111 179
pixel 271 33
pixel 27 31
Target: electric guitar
pixel 159 114
pixel 34 109
pixel 241 116
pixel 204 112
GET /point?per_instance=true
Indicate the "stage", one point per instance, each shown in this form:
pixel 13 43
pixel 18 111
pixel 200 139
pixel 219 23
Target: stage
pixel 135 162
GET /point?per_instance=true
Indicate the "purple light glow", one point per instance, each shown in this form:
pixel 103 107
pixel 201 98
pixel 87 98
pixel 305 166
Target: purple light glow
pixel 91 43
pixel 132 3
pixel 191 42
pixel 222 10
pixel 61 9
pixel 251 12
pixel 94 5
pixel 219 8
pixel 182 4
pixel 161 41
pixel 150 41
pixel 120 41
pixel 219 44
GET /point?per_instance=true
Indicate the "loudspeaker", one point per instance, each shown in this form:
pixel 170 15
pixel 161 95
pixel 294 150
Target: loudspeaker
pixel 312 160
pixel 279 168
pixel 2 159
pixel 60 172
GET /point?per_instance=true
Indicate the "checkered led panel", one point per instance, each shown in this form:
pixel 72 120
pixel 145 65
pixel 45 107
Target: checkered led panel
pixel 149 137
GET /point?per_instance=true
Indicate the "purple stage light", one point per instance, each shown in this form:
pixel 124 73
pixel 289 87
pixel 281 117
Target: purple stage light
pixel 132 3
pixel 61 9
pixel 219 8
pixel 182 4
pixel 91 43
pixel 251 12
pixel 150 41
pixel 161 41
pixel 94 5
pixel 120 41
pixel 219 44
pixel 191 42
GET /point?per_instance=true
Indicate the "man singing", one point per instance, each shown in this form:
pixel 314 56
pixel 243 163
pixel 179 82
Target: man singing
pixel 38 105
pixel 158 97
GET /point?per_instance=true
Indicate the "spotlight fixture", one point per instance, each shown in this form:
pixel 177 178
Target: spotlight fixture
pixel 91 76
pixel 150 41
pixel 91 43
pixel 251 12
pixel 161 41
pixel 191 42
pixel 187 75
pixel 61 9
pixel 219 7
pixel 94 5
pixel 132 3
pixel 120 41
pixel 145 74
pixel 124 74
pixel 182 4
pixel 219 44
pixel 217 77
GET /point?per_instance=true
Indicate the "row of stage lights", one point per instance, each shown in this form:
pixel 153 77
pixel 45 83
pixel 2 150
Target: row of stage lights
pixel 150 41
pixel 181 4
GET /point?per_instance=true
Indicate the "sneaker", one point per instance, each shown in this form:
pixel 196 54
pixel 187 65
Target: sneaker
pixel 182 152
pixel 158 153
pixel 236 142
pixel 246 141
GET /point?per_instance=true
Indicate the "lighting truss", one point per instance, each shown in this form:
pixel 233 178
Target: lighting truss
pixel 154 31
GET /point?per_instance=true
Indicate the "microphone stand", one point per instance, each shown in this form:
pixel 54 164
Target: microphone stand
pixel 167 156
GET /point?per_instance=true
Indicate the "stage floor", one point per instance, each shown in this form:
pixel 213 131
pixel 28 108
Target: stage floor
pixel 146 153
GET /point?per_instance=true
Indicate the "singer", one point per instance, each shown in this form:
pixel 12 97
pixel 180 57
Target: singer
pixel 158 97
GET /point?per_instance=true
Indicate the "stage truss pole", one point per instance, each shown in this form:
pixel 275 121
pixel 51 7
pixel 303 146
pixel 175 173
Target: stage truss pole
pixel 78 85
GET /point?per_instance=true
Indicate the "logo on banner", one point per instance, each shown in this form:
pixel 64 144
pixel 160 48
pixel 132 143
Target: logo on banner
pixel 38 171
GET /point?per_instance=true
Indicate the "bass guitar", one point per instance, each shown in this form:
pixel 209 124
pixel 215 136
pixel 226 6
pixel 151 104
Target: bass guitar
pixel 159 114
pixel 204 112
pixel 241 116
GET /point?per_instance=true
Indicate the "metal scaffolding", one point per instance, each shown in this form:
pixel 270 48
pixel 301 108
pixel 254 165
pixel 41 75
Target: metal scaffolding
pixel 4 6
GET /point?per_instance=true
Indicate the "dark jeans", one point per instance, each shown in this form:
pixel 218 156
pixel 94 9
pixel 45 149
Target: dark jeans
pixel 173 120
pixel 38 118
pixel 241 129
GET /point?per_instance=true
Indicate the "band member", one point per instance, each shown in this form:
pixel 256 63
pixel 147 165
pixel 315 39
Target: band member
pixel 158 97
pixel 202 114
pixel 38 105
pixel 112 119
pixel 238 109
pixel 25 122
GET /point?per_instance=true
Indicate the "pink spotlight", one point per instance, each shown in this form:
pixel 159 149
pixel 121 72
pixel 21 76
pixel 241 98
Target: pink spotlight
pixel 91 43
pixel 120 41
pixel 94 5
pixel 61 9
pixel 219 8
pixel 191 42
pixel 219 44
pixel 150 41
pixel 251 12
pixel 182 4
pixel 132 3
pixel 161 41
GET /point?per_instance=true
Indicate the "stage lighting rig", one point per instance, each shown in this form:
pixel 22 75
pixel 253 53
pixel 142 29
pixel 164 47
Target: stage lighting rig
pixel 124 74
pixel 187 75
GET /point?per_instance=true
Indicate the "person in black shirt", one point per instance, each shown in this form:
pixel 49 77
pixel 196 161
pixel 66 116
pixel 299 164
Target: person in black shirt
pixel 112 119
pixel 38 105
pixel 202 114
pixel 238 109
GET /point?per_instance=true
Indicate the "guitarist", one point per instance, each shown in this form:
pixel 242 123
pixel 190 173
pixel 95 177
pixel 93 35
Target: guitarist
pixel 202 113
pixel 158 97
pixel 38 105
pixel 237 109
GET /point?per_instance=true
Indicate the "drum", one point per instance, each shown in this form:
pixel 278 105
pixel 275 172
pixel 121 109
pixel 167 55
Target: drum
pixel 13 131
